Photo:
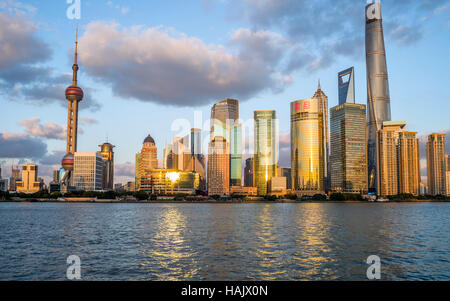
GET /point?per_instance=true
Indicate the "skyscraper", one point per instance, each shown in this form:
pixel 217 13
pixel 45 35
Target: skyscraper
pixel 236 155
pixel 167 157
pixel 408 163
pixel 378 99
pixel 15 176
pixel 88 172
pixel 225 123
pixel 348 136
pixel 436 164
pixel 323 108
pixel 74 95
pixel 137 172
pixel 149 154
pixel 107 153
pixel 223 116
pixel 348 159
pixel 266 157
pixel 346 80
pixel 447 174
pixel 398 153
pixel 3 182
pixel 218 167
pixel 307 151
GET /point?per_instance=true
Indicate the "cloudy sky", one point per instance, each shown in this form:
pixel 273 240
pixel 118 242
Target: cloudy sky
pixel 156 67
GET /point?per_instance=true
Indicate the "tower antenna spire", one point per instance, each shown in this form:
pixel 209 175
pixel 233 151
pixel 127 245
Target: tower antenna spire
pixel 75 65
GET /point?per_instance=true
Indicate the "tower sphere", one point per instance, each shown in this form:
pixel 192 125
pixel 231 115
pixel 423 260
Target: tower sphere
pixel 74 93
pixel 68 162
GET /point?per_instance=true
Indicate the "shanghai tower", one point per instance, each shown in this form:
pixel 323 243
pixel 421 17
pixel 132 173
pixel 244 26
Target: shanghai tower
pixel 378 99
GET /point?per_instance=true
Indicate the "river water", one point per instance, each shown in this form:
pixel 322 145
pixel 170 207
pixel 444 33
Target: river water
pixel 310 241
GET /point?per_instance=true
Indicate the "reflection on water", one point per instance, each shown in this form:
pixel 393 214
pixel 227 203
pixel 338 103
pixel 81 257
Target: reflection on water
pixel 224 242
pixel 169 249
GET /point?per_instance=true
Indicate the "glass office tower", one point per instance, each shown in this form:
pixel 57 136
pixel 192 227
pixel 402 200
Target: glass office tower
pixel 225 123
pixel 348 148
pixel 266 153
pixel 307 152
pixel 236 155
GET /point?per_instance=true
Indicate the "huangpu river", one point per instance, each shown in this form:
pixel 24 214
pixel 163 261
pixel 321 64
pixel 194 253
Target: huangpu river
pixel 306 241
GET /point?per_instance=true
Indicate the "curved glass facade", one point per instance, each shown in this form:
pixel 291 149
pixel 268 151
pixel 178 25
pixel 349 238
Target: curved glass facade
pixel 307 155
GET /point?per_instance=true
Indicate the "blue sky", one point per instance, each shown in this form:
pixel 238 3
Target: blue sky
pixel 145 64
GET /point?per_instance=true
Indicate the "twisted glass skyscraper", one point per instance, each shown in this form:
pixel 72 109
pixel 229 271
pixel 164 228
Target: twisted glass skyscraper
pixel 378 99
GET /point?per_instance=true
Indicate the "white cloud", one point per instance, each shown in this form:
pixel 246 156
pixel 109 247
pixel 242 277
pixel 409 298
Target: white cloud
pixel 49 130
pixel 163 66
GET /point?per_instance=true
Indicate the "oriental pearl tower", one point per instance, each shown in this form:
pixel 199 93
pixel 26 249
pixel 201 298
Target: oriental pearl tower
pixel 74 95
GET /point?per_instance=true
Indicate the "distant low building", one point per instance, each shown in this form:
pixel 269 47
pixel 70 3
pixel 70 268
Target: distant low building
pixel 29 183
pixel 285 172
pixel 165 181
pixel 278 184
pixel 4 185
pixel 3 182
pixel 244 191
pixel 130 186
pixel 119 187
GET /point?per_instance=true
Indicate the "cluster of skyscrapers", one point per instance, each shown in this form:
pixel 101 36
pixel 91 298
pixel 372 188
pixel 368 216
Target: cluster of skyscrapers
pixel 351 148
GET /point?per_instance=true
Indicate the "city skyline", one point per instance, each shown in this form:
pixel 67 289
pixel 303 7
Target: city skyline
pixel 43 128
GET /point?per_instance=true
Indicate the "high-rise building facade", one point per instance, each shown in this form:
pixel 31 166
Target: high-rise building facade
pixel 15 176
pixel 88 172
pixel 399 160
pixel 408 163
pixel 107 153
pixel 323 109
pixel 3 182
pixel 378 96
pixel 307 151
pixel 236 155
pixel 218 167
pixel 266 148
pixel 447 175
pixel 29 182
pixel 436 164
pixel 225 123
pixel 137 171
pixel 348 159
pixel 167 157
pixel 223 115
pixel 248 172
pixel 149 154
